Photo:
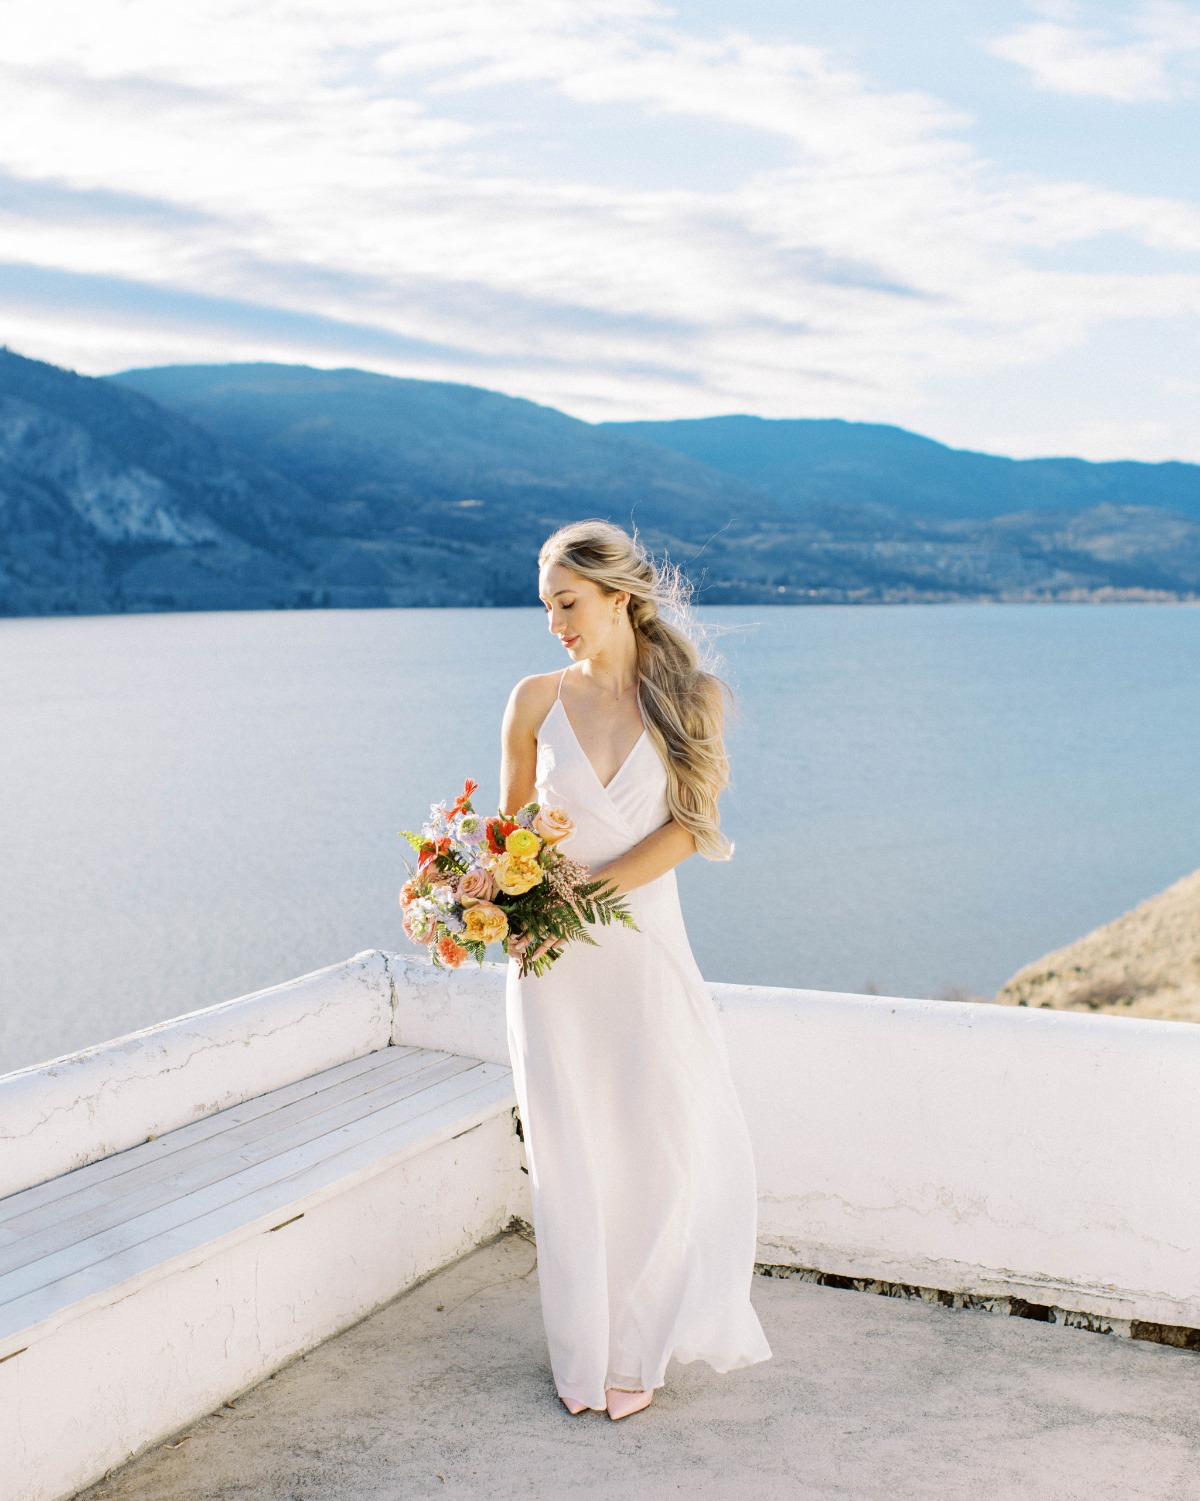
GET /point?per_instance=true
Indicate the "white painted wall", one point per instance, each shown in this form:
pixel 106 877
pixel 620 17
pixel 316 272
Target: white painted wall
pixel 76 1109
pixel 60 1115
pixel 975 1147
pixel 992 1149
pixel 461 1012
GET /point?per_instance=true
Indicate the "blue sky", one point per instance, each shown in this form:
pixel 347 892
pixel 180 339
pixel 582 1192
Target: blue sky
pixel 980 222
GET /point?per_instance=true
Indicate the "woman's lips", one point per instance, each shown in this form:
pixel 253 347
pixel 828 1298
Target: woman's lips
pixel 569 641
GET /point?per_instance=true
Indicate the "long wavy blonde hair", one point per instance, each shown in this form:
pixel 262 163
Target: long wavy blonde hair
pixel 682 700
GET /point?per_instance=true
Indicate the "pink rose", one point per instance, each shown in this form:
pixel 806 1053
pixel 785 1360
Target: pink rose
pixel 476 885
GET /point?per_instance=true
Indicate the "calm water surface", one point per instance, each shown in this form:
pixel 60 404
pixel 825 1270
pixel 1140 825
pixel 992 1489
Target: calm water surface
pixel 926 797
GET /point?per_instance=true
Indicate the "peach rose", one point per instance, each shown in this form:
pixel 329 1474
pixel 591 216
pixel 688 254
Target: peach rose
pixel 486 923
pixel 476 885
pixel 409 891
pixel 451 952
pixel 554 824
pixel 516 873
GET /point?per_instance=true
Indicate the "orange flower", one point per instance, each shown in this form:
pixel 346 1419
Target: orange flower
pixel 430 850
pixel 464 797
pixel 498 830
pixel 451 952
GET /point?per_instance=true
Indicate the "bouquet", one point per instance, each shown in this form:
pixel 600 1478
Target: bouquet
pixel 500 880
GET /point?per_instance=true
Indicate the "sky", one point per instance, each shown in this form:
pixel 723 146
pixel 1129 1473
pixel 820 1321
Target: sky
pixel 981 222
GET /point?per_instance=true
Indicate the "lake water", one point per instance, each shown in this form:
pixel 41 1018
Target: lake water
pixel 927 797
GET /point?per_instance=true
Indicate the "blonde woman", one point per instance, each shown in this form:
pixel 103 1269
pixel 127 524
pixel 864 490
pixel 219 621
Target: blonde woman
pixel 641 1173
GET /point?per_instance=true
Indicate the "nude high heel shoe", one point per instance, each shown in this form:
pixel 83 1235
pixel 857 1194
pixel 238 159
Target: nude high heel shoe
pixel 573 1408
pixel 621 1404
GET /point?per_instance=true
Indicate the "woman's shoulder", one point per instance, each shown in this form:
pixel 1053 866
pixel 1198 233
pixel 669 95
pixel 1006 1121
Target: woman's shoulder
pixel 531 699
pixel 537 685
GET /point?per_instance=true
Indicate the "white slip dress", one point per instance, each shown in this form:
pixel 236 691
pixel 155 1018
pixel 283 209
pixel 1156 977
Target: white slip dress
pixel 641 1173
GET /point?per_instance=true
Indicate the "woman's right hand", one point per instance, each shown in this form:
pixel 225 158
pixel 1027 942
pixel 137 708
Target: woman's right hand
pixel 517 948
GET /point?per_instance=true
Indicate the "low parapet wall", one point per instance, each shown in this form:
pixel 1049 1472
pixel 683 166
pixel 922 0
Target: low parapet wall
pixel 77 1109
pixel 994 1150
pixel 73 1110
pixel 975 1148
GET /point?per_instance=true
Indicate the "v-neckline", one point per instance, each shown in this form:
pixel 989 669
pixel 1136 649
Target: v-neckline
pixel 603 786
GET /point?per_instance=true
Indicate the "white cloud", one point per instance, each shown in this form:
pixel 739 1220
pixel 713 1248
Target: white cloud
pixel 1155 62
pixel 261 182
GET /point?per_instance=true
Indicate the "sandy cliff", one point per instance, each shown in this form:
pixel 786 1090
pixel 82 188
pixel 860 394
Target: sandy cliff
pixel 1145 963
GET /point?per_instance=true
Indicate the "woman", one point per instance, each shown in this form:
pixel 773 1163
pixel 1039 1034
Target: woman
pixel 641 1172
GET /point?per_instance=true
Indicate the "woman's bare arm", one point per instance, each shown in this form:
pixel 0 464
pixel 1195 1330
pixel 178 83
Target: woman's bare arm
pixel 650 858
pixel 528 705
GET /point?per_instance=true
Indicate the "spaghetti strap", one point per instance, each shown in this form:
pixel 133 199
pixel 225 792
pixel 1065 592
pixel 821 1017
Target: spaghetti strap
pixel 561 676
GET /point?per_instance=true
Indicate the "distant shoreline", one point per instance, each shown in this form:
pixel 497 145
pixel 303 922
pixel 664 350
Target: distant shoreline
pixel 1132 598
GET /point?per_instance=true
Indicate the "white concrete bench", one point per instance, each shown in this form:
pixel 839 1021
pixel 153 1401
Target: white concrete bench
pixel 96 1234
pixel 140 1290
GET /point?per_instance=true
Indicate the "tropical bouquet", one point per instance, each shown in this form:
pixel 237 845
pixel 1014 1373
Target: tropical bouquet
pixel 501 880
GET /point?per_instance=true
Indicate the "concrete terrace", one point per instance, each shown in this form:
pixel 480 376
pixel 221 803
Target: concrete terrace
pixel 224 1242
pixel 446 1392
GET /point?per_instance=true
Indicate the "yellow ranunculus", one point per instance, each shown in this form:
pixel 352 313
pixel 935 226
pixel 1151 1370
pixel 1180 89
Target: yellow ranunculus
pixel 516 873
pixel 522 842
pixel 486 923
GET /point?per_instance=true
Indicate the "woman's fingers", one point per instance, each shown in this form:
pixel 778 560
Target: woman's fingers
pixel 519 948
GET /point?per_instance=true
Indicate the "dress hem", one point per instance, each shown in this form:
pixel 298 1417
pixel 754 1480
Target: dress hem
pixel 739 1363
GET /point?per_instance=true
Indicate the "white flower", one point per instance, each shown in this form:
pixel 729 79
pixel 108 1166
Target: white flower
pixel 467 829
pixel 436 825
pixel 423 914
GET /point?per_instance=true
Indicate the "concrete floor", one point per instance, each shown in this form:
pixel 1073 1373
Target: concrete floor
pixel 447 1393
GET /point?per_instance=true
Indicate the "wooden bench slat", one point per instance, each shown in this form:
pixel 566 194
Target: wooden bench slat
pixel 35 1293
pixel 221 1135
pixel 14 1205
pixel 278 1167
pixel 222 1157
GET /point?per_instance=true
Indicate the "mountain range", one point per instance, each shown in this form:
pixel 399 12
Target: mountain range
pixel 274 486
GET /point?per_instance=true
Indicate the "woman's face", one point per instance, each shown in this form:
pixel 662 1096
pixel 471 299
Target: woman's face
pixel 579 613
